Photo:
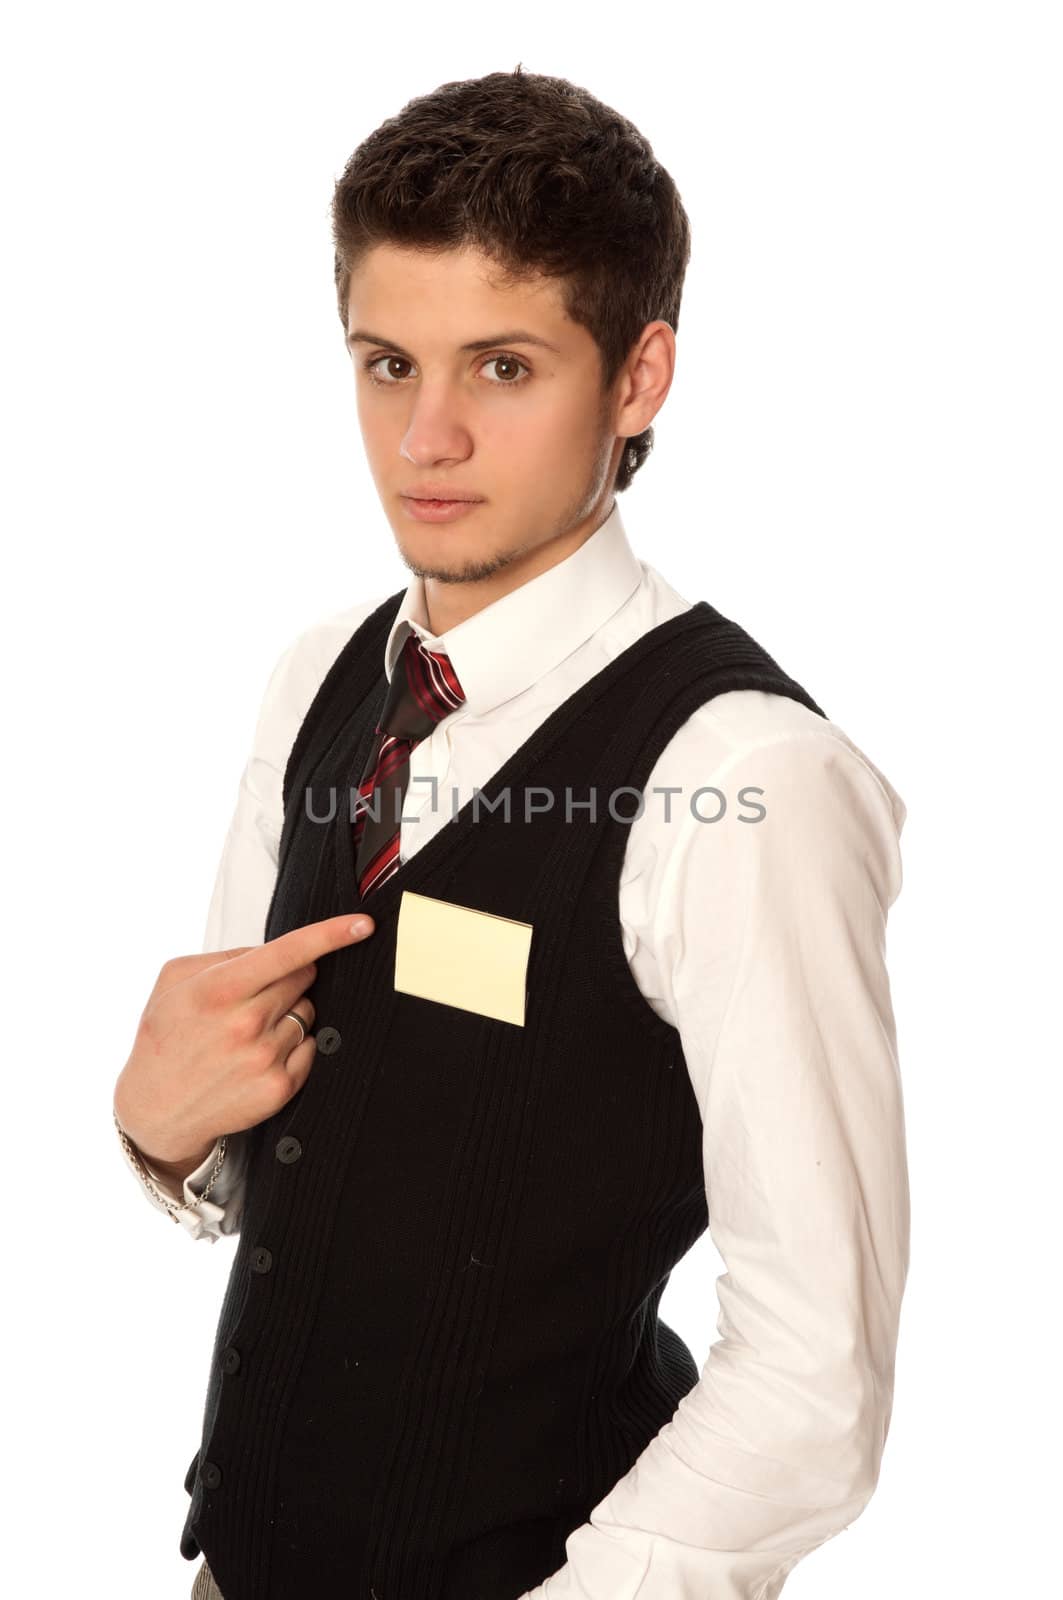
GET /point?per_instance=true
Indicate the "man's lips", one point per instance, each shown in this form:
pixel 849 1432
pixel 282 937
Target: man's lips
pixel 441 497
pixel 437 509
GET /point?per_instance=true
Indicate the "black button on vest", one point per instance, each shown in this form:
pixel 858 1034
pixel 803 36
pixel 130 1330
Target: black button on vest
pixel 288 1149
pixel 458 1351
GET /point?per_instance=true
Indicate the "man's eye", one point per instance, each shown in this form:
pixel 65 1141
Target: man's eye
pixel 375 361
pixel 513 361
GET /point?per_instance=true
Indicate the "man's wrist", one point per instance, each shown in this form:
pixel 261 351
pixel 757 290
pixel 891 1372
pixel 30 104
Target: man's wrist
pixel 168 1171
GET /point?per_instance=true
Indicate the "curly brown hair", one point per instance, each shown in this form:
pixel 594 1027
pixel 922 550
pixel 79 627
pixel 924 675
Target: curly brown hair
pixel 542 178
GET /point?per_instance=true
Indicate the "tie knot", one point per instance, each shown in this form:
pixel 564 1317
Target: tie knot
pixel 424 689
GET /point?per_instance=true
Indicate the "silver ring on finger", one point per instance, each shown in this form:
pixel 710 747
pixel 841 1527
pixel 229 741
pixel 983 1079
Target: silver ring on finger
pixel 302 1025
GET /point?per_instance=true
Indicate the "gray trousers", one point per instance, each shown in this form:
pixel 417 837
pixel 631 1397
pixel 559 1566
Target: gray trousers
pixel 204 1587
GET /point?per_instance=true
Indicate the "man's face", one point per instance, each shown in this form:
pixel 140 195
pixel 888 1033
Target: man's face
pixel 522 425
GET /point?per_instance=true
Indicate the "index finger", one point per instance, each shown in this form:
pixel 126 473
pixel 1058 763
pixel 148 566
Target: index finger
pixel 263 964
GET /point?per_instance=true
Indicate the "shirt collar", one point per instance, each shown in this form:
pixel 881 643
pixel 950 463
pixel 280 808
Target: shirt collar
pixel 513 642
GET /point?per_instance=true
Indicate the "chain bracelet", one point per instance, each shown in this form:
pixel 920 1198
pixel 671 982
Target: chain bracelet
pixel 164 1199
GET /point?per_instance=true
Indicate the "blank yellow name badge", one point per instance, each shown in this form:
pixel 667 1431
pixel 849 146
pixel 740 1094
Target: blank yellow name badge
pixel 462 957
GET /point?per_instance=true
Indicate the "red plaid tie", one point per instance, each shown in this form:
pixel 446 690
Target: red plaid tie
pixel 424 689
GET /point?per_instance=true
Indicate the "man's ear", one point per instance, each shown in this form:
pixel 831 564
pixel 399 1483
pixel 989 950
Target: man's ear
pixel 646 377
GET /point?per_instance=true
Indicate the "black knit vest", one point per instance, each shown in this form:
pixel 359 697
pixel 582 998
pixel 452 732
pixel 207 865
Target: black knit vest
pixel 439 1347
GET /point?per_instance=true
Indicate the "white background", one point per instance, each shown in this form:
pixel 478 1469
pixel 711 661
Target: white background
pixel 859 461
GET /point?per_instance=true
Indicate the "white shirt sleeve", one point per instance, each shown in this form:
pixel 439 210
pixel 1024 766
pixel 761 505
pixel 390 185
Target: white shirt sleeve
pixel 769 939
pixel 243 888
pixel 220 1212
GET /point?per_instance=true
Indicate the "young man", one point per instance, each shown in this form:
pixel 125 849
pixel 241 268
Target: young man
pixel 618 974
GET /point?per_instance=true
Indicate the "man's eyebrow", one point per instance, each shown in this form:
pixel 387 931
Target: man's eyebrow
pixel 515 336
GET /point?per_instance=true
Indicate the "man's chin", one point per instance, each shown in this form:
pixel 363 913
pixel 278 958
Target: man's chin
pixel 437 554
pixel 424 558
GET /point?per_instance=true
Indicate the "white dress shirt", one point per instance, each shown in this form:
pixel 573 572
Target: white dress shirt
pixel 764 946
